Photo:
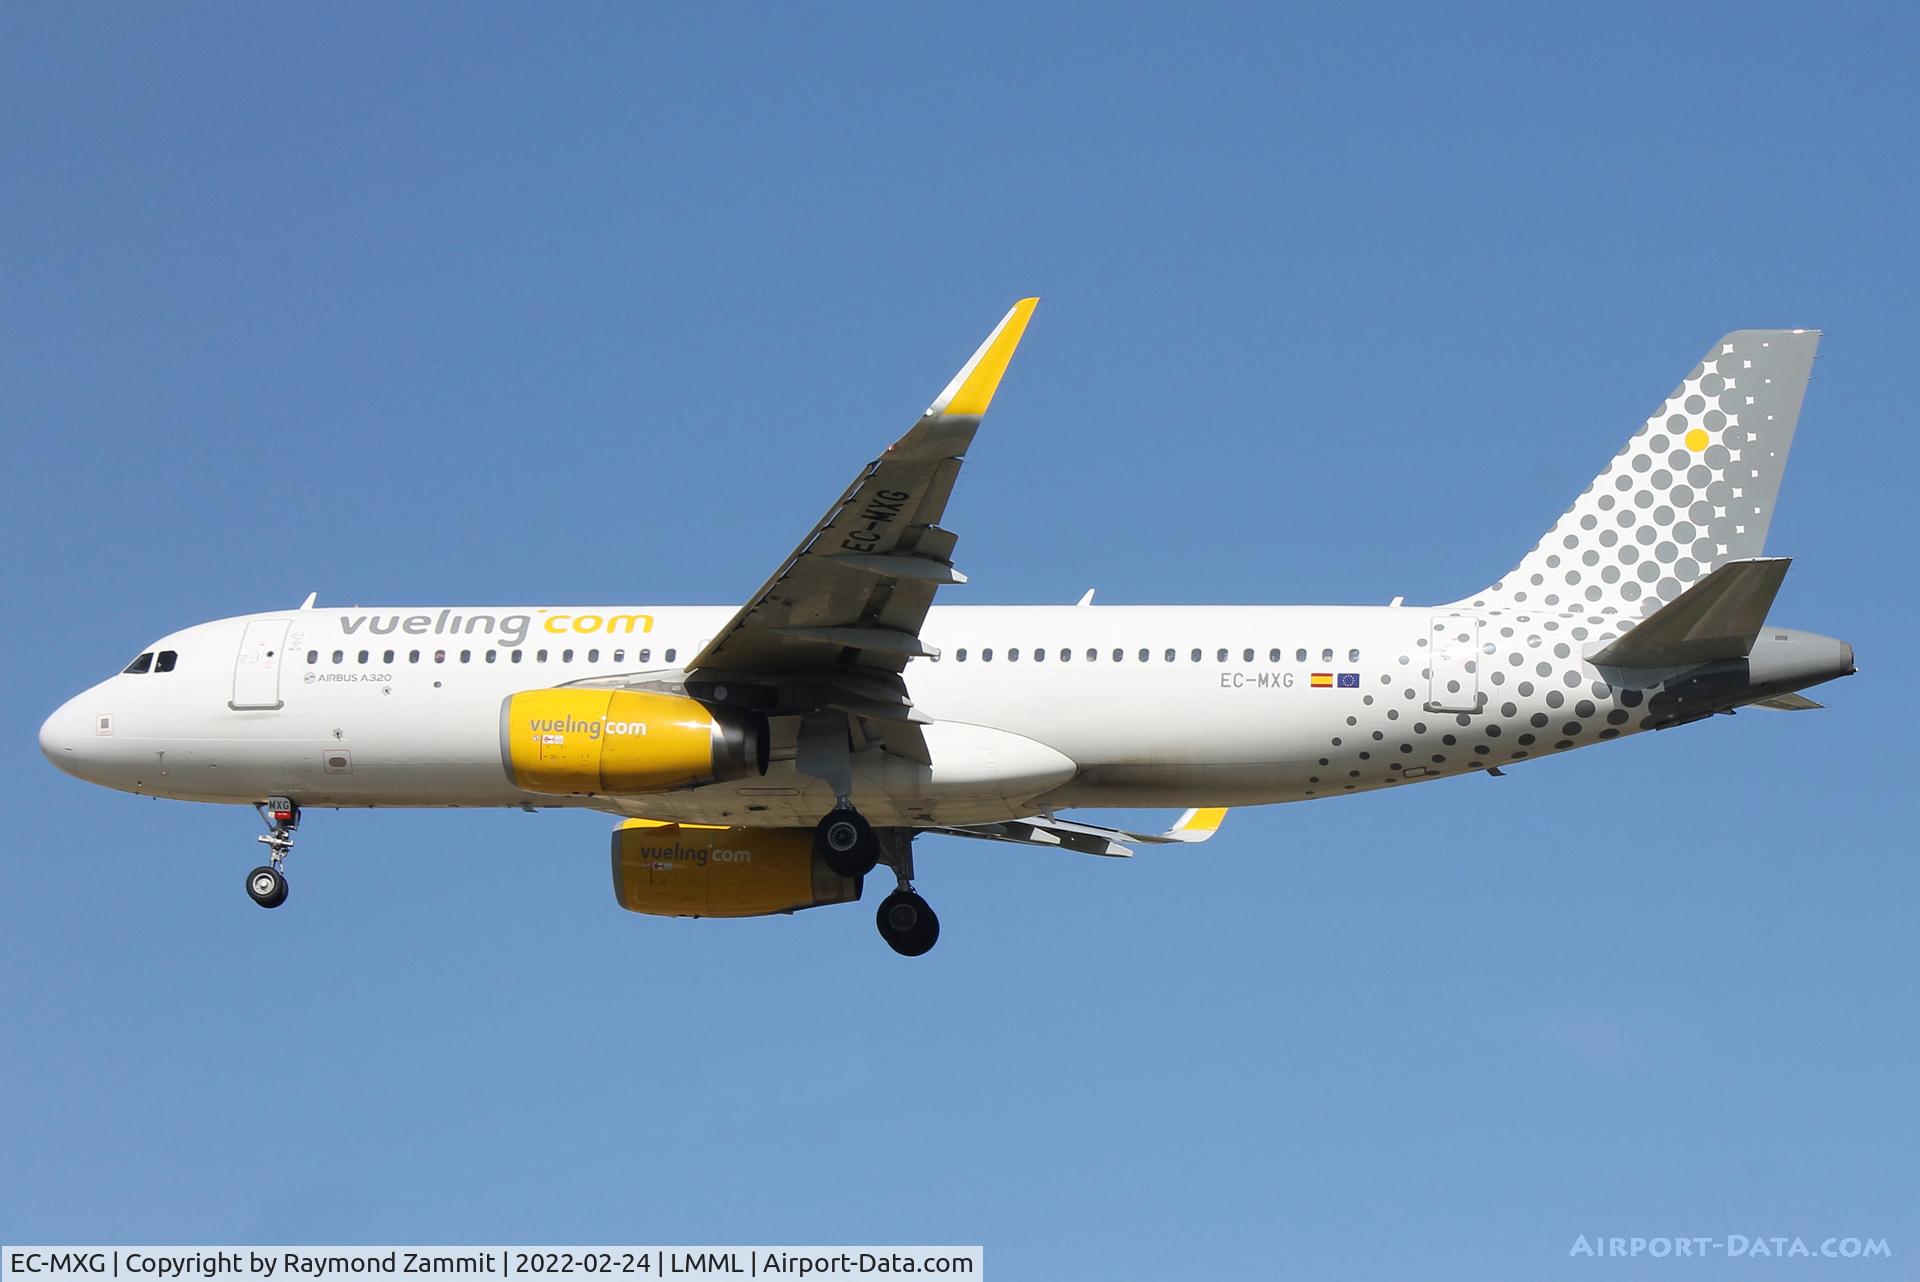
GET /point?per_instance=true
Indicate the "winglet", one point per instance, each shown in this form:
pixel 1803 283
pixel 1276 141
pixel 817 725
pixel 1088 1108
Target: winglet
pixel 972 389
pixel 1197 825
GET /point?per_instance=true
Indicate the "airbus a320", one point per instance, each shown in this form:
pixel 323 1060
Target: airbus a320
pixel 770 758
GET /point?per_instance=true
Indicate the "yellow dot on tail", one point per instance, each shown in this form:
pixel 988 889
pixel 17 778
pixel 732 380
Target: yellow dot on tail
pixel 1697 439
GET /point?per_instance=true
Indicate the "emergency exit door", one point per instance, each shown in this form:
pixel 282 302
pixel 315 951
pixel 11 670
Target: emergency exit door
pixel 256 671
pixel 1453 648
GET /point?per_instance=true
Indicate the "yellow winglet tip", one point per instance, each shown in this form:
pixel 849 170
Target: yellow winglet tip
pixel 667 823
pixel 972 389
pixel 1208 819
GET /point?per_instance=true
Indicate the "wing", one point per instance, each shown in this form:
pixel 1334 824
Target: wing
pixel 1090 839
pixel 836 624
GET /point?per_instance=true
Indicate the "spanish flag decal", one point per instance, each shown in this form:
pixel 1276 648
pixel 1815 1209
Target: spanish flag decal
pixel 1321 680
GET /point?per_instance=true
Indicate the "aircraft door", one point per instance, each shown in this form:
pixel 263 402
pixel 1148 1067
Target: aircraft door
pixel 256 671
pixel 1453 645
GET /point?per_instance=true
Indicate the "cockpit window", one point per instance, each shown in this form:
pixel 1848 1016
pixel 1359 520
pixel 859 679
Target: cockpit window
pixel 142 664
pixel 164 661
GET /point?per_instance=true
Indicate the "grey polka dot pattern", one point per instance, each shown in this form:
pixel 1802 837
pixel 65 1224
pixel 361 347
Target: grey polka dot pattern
pixel 1693 489
pixel 1502 676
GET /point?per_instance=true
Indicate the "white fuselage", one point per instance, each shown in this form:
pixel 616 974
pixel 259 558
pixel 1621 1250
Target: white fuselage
pixel 1033 708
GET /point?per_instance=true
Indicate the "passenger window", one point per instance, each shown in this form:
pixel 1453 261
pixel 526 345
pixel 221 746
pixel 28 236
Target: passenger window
pixel 540 655
pixel 566 656
pixel 1145 655
pixel 1300 655
pixel 466 656
pixel 619 656
pixel 363 656
pixel 140 665
pixel 1013 655
pixel 1196 654
pixel 1247 655
pixel 492 655
pixel 1353 656
pixel 644 656
pixel 669 656
pixel 1039 654
pixel 413 656
pixel 1093 654
pixel 339 656
pixel 387 657
pixel 1119 655
pixel 439 656
pixel 1326 655
pixel 513 656
pixel 960 655
pixel 164 661
pixel 313 657
pixel 1222 656
pixel 1066 654
pixel 593 656
pixel 1273 655
pixel 1169 656
pixel 986 655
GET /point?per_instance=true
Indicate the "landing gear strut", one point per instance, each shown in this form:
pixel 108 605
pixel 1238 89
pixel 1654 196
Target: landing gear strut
pixel 846 842
pixel 905 920
pixel 267 884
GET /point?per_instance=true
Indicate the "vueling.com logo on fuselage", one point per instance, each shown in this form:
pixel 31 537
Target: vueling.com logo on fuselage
pixel 510 629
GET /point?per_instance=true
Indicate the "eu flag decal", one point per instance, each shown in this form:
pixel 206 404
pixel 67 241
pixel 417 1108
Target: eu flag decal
pixel 1349 680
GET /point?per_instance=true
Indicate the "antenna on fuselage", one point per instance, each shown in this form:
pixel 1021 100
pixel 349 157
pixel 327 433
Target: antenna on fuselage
pixel 1087 599
pixel 308 603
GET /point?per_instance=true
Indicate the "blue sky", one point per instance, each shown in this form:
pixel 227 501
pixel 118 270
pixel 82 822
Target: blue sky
pixel 412 304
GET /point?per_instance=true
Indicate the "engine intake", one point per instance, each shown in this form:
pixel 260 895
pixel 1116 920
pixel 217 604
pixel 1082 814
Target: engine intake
pixel 586 742
pixel 690 870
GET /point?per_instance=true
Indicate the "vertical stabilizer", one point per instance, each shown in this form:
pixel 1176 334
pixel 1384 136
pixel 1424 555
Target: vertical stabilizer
pixel 1691 491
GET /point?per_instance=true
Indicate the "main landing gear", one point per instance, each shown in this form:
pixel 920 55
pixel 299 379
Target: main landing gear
pixel 907 922
pixel 848 844
pixel 267 885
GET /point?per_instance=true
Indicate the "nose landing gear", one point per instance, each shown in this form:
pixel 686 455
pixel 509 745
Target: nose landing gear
pixel 267 884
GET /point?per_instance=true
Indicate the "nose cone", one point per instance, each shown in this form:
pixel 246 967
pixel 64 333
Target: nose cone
pixel 60 737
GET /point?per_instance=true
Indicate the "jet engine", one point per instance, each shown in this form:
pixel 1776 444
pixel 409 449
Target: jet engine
pixel 577 741
pixel 691 870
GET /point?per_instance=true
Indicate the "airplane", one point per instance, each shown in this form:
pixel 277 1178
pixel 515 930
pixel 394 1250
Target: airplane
pixel 766 759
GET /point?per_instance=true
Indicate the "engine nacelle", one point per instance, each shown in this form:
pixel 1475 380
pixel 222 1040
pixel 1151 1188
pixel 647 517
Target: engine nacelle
pixel 691 870
pixel 579 741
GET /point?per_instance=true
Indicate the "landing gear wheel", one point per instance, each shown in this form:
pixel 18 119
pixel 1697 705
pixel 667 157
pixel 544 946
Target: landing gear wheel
pixel 846 843
pixel 907 923
pixel 267 886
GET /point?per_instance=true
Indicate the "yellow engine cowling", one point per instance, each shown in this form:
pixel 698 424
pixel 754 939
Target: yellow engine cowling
pixel 691 870
pixel 576 741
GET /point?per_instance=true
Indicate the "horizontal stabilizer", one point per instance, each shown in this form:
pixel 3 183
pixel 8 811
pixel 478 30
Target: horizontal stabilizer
pixel 1719 617
pixel 1789 703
